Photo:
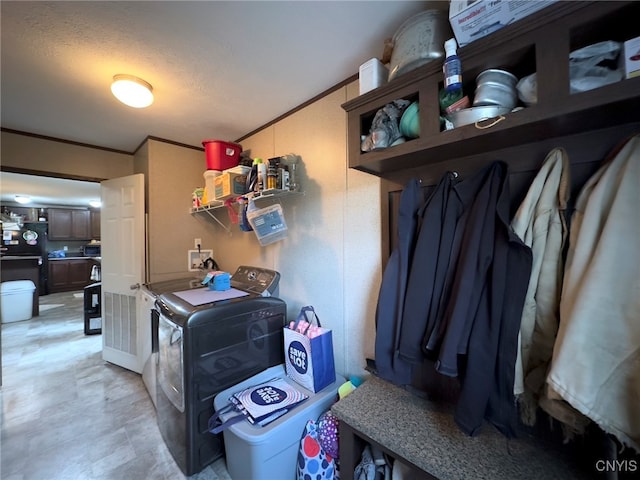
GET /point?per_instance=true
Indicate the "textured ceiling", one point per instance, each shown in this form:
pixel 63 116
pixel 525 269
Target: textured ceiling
pixel 219 70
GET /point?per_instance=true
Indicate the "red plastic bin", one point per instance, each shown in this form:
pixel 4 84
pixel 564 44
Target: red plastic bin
pixel 221 155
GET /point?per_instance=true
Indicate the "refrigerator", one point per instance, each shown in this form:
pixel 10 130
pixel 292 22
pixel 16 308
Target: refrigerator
pixel 28 238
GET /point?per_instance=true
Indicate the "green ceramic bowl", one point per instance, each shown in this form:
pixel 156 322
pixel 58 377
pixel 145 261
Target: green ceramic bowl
pixel 410 122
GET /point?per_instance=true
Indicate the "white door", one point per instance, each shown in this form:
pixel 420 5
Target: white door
pixel 122 232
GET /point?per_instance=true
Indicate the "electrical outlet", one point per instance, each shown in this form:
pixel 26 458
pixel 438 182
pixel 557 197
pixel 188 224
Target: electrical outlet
pixel 198 243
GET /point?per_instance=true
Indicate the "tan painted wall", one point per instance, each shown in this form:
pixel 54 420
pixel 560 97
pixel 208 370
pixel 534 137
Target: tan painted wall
pixel 363 268
pixel 32 153
pixel 331 257
pixel 171 174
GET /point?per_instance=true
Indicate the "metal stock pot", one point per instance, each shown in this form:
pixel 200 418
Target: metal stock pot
pixel 496 87
pixel 419 40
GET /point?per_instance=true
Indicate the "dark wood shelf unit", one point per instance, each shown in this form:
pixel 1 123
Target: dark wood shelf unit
pixel 540 43
pixel 587 125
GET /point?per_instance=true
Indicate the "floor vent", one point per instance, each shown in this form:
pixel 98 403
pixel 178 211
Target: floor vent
pixel 119 327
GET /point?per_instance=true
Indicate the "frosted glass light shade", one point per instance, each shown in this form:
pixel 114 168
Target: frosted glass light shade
pixel 132 91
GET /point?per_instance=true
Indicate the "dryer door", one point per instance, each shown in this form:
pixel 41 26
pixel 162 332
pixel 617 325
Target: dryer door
pixel 170 361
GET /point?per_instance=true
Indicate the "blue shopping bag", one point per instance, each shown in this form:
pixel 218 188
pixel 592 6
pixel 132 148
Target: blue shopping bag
pixel 309 352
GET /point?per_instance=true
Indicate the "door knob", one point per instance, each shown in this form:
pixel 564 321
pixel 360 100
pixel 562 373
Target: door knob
pixel 135 286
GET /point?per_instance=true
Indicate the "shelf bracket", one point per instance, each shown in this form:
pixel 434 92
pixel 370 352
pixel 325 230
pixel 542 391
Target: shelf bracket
pixel 274 196
pixel 227 229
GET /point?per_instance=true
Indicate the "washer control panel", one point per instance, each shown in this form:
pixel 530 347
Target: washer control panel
pixel 260 281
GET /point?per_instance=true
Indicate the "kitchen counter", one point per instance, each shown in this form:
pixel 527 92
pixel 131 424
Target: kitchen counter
pixel 21 257
pixel 425 435
pixel 79 257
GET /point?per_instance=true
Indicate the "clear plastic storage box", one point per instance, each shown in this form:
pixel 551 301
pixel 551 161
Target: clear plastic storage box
pixel 268 224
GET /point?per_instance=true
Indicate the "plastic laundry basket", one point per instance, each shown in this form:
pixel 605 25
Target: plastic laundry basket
pixel 16 300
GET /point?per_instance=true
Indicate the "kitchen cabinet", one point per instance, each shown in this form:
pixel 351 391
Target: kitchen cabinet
pixel 69 224
pixel 70 274
pixel 541 43
pixel 95 224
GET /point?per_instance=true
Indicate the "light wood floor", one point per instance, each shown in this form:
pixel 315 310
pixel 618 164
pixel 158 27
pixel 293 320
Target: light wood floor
pixel 68 414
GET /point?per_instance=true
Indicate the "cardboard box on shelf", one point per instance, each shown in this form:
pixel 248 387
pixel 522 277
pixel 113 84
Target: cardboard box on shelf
pixel 230 185
pixel 474 19
pixel 632 58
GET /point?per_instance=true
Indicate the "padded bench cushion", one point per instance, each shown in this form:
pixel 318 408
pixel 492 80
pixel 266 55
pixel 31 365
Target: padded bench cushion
pixel 425 434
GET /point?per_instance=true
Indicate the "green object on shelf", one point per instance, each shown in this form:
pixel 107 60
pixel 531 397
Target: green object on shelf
pixel 410 121
pixel 448 98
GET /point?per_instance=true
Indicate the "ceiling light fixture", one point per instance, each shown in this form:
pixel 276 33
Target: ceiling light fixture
pixel 132 91
pixel 23 199
pixel 95 203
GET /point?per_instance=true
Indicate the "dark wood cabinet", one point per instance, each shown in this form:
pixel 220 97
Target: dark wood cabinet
pixel 70 274
pixel 59 224
pixel 588 125
pixel 58 275
pixel 95 224
pixel 80 225
pixel 69 224
pixel 538 44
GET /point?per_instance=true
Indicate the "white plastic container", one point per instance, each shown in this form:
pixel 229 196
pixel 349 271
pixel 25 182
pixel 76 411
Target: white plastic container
pixel 271 452
pixel 16 300
pixel 372 74
pixel 239 169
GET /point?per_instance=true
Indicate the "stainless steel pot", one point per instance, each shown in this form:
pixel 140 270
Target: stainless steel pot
pixel 496 87
pixel 467 116
pixel 419 40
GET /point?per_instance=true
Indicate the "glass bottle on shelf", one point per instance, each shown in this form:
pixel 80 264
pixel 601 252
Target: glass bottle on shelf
pixel 294 181
pixel 272 176
pixel 284 177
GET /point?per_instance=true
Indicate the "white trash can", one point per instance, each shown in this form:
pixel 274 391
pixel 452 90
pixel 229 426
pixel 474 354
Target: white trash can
pixel 16 300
